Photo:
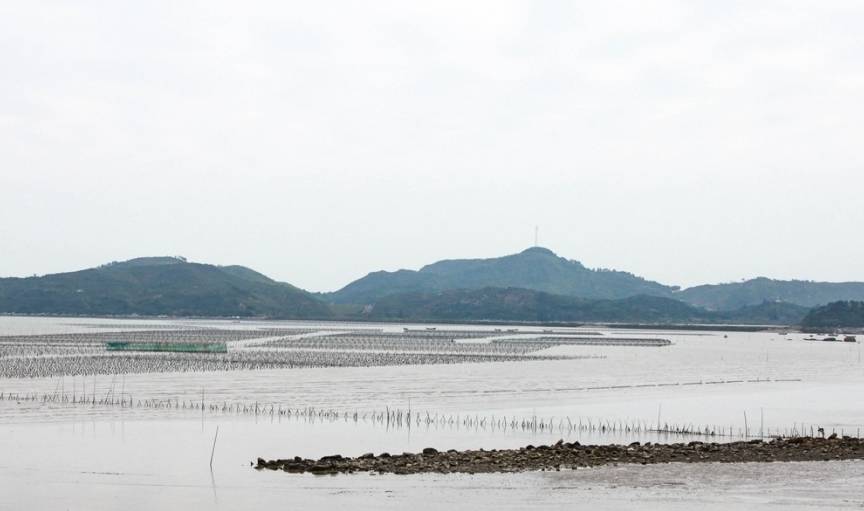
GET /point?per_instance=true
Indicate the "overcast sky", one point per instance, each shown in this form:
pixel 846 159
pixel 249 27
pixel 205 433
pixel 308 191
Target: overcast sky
pixel 685 141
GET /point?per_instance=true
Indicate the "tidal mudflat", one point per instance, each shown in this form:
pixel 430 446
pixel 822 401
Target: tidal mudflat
pixel 80 425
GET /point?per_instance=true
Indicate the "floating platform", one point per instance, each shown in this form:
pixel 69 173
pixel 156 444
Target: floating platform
pixel 171 347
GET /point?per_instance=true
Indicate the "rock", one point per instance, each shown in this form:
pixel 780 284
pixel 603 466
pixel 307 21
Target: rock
pixel 532 458
pixel 294 467
pixel 321 469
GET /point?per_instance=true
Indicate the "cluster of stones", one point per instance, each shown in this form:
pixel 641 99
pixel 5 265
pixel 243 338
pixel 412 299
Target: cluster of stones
pixel 564 455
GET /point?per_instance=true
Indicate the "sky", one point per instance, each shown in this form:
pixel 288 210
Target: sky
pixel 687 141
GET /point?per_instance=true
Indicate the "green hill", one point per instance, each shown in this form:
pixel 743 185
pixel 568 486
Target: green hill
pixel 753 292
pixel 540 269
pixel 159 286
pixel 766 313
pixel 533 285
pixel 843 314
pixel 537 269
pixel 515 304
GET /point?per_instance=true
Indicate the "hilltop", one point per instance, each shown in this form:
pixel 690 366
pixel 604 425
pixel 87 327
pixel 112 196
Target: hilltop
pixel 159 286
pixel 540 269
pixel 536 268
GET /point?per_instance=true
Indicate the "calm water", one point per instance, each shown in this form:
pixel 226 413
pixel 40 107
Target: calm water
pixel 59 456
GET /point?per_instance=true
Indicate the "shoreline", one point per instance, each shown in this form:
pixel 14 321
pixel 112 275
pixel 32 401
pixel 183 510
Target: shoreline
pixel 694 327
pixel 573 456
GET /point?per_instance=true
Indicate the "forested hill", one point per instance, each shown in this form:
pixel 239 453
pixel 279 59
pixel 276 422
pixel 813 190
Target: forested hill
pixel 844 314
pixel 755 291
pixel 159 286
pixel 533 285
pixel 513 304
pixel 537 269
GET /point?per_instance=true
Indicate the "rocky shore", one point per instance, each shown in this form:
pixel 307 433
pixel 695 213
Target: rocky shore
pixel 564 455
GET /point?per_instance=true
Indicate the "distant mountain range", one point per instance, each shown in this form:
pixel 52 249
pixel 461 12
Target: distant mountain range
pixel 159 286
pixel 537 268
pixel 516 304
pixel 756 291
pixel 533 285
pixel 540 269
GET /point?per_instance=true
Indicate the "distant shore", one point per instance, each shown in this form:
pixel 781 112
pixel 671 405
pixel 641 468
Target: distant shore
pixel 573 456
pixel 562 324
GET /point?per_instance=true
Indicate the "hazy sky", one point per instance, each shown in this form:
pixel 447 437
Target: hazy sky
pixel 685 141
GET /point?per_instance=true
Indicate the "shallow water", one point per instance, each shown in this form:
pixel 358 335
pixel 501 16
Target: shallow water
pixel 76 456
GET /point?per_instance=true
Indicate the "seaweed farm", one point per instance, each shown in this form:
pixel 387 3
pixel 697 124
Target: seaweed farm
pixel 281 388
pixel 211 349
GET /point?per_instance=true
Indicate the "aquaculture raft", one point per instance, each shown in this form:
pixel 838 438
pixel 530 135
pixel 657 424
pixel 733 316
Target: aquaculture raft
pixel 173 347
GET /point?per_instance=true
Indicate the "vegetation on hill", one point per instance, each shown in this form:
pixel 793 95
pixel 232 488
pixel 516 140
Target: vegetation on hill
pixel 159 286
pixel 766 313
pixel 753 292
pixel 534 285
pixel 842 314
pixel 537 269
pixel 515 304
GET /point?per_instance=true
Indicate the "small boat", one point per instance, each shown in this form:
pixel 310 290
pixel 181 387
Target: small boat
pixel 811 338
pixel 850 338
pixel 830 339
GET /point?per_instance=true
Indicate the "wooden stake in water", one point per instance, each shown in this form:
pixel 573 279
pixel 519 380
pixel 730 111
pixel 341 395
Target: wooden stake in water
pixel 761 423
pixel 213 451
